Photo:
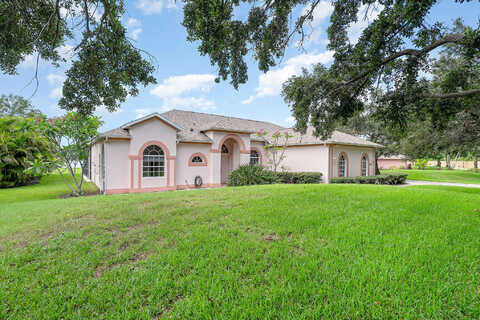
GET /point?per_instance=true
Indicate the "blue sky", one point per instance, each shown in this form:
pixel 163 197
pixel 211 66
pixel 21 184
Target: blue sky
pixel 186 79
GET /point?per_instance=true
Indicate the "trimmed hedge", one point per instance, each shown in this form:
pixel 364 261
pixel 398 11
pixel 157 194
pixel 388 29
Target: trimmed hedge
pixel 299 177
pixel 390 178
pixel 250 174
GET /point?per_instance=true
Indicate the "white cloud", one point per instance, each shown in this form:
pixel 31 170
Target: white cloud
pixel 176 85
pixel 56 80
pixel 290 120
pixel 364 18
pixel 270 83
pixel 135 33
pixel 143 112
pixel 323 10
pixel 132 22
pixel 155 6
pixel 172 89
pixel 56 93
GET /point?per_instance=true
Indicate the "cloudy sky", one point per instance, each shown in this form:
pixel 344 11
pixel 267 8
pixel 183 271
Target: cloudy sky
pixel 185 80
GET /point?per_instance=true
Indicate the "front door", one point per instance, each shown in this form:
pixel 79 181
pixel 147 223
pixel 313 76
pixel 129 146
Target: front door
pixel 226 164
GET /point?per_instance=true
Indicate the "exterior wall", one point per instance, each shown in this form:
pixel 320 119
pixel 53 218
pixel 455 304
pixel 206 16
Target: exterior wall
pixel 186 172
pixel 151 131
pixel 96 165
pixel 118 164
pixel 307 159
pixel 389 163
pixel 354 155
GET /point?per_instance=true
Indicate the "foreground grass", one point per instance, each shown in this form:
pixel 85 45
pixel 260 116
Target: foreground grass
pixel 50 187
pixel 282 251
pixel 455 176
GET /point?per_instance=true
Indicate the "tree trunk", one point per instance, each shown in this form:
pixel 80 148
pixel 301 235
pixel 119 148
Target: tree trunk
pixel 475 157
pixel 447 160
pixel 377 171
pixel 439 163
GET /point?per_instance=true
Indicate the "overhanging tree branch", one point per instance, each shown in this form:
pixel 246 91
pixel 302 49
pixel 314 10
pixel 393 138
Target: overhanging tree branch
pixel 452 38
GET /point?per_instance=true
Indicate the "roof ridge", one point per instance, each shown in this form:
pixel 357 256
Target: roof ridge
pixel 223 116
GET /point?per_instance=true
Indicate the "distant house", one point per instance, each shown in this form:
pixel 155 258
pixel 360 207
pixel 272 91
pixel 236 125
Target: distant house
pixel 392 162
pixel 181 150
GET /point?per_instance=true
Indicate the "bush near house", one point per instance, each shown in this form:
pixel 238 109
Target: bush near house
pixel 391 178
pixel 300 177
pixel 250 174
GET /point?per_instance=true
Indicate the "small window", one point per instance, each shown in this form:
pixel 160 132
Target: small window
pixel 254 157
pixel 224 149
pixel 197 159
pixel 364 165
pixel 341 166
pixel 153 162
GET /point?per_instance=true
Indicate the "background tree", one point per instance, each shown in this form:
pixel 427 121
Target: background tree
pixel 22 143
pixel 17 106
pixel 391 52
pixel 107 66
pixel 70 138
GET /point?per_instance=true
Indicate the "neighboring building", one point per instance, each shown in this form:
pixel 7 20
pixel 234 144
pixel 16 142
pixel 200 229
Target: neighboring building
pixel 397 161
pixel 180 150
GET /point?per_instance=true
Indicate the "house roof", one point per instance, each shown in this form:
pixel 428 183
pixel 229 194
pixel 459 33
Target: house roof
pixel 192 126
pixel 196 123
pixel 337 137
pixel 152 115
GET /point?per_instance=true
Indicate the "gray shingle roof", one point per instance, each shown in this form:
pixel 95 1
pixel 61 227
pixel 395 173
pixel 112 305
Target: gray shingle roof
pixel 194 124
pixel 337 137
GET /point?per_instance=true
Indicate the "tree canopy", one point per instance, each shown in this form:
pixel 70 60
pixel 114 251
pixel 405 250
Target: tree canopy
pixel 17 106
pixel 392 53
pixel 106 68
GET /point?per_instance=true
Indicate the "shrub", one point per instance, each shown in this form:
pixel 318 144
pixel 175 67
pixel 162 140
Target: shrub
pixel 391 178
pixel 299 177
pixel 251 174
pixel 420 164
pixel 21 144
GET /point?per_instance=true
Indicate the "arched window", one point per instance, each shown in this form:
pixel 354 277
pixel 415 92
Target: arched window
pixel 364 165
pixel 254 157
pixel 197 159
pixel 224 149
pixel 342 164
pixel 153 161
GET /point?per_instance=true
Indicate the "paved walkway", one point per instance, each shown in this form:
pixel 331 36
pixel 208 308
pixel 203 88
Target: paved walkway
pixel 434 183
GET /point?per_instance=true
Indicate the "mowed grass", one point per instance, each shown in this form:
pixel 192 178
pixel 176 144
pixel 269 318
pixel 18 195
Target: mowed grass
pixel 261 252
pixel 51 186
pixel 455 176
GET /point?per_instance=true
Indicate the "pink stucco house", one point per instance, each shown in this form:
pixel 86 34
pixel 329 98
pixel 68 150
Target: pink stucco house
pixel 181 150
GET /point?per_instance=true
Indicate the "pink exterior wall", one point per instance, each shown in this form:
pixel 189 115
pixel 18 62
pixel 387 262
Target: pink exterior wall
pixel 96 166
pixel 186 172
pixel 308 159
pixel 389 163
pixel 354 155
pixel 118 164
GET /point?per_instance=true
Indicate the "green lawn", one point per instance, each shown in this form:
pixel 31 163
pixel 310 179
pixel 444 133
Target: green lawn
pixel 456 176
pixel 50 187
pixel 277 252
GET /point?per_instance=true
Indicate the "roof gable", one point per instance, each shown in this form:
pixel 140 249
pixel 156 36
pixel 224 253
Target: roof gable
pixel 150 117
